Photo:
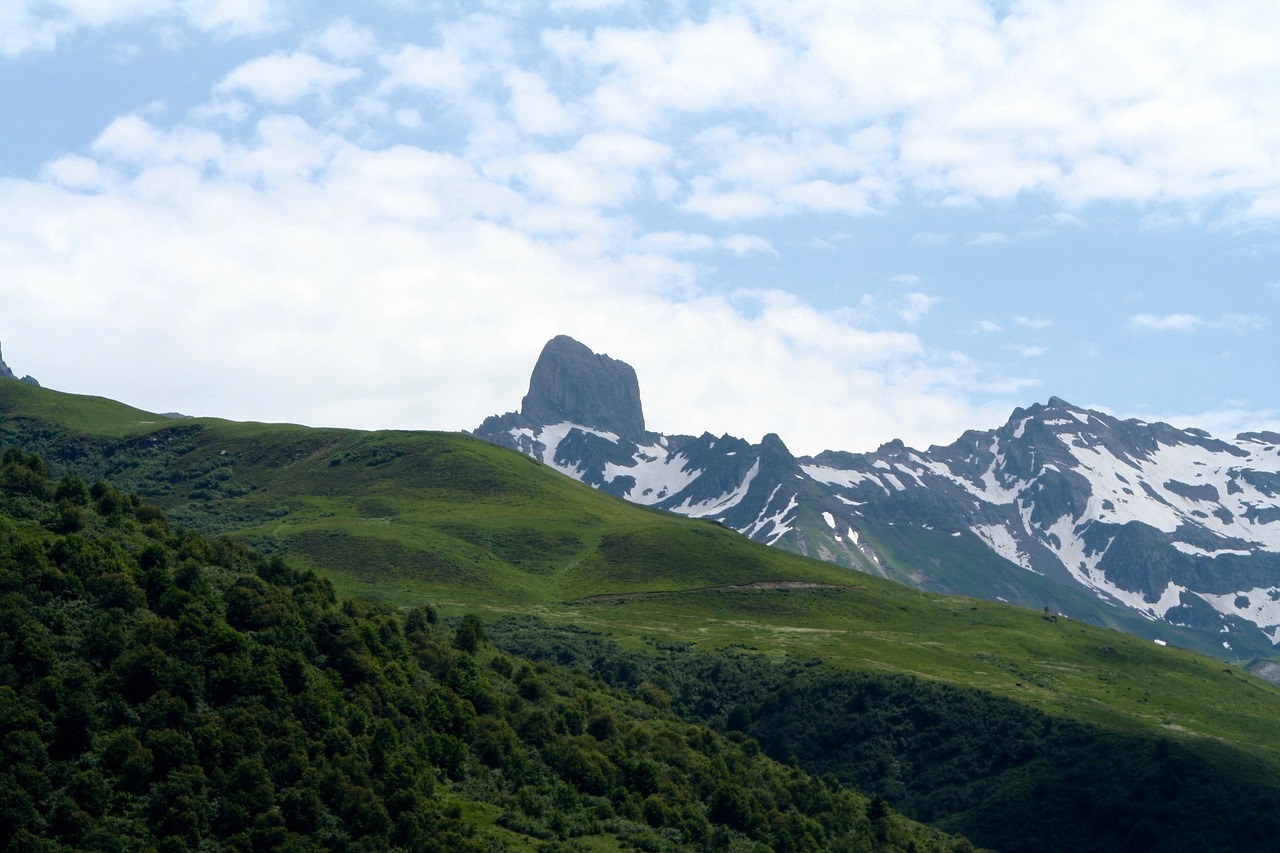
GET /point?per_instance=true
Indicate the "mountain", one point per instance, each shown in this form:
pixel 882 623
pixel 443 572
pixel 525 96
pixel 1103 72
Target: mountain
pixel 6 373
pixel 1022 732
pixel 1170 534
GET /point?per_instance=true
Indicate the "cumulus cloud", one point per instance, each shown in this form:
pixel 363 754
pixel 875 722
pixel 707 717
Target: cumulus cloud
pixel 351 286
pixel 406 198
pixel 283 78
pixel 344 40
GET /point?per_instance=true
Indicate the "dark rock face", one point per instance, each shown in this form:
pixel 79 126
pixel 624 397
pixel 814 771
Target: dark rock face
pixel 572 383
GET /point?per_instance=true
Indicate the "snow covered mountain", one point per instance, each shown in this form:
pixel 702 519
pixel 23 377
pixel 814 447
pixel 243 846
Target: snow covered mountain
pixel 1171 534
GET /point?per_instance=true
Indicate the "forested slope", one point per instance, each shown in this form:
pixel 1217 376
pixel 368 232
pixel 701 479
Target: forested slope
pixel 1009 777
pixel 161 690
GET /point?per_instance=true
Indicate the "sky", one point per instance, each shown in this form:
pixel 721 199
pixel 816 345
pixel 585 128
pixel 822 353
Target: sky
pixel 842 222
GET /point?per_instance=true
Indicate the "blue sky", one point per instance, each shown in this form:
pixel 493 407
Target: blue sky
pixel 841 222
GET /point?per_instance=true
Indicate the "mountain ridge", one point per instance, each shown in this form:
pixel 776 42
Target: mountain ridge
pixel 1164 526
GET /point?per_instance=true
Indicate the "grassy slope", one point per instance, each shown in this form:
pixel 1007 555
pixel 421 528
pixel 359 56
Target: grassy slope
pixel 410 518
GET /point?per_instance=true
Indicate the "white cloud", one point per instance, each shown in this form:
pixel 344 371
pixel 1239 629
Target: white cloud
pixel 521 201
pixel 236 17
pixel 561 7
pixel 1165 105
pixel 748 244
pixel 76 172
pixel 37 26
pixel 431 69
pixel 1102 104
pixel 299 277
pixel 1032 322
pixel 989 238
pixel 536 108
pixel 283 78
pixel 1167 322
pixel 915 306
pixel 727 206
pixel 344 40
pixel 1187 323
pixel 1029 351
pixel 601 170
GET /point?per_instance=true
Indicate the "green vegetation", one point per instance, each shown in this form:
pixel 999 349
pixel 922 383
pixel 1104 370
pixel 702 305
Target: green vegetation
pixel 978 717
pixel 161 690
pixel 1007 776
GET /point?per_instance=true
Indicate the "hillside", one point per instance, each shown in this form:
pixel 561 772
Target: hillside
pixel 414 519
pixel 161 690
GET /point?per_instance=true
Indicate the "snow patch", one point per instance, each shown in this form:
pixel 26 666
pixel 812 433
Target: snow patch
pixel 657 475
pixel 1187 548
pixel 1260 605
pixel 1000 540
pixel 719 504
pixel 834 476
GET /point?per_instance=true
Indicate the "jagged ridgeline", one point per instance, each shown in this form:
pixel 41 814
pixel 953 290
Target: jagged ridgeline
pixel 1022 729
pixel 164 691
pixel 1169 534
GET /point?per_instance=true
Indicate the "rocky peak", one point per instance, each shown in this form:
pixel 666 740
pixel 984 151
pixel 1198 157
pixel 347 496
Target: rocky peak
pixel 572 383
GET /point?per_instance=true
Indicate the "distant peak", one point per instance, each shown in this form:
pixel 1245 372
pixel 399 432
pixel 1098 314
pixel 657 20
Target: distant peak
pixel 572 383
pixel 1058 403
pixel 893 447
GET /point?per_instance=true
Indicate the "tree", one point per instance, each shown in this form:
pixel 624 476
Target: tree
pixel 469 633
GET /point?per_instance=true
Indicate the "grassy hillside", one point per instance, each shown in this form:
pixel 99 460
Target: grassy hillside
pixel 407 519
pixel 163 691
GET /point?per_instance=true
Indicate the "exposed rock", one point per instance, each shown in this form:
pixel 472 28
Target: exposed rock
pixel 572 383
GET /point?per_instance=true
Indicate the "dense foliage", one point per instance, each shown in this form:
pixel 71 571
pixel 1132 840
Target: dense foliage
pixel 1007 776
pixel 161 690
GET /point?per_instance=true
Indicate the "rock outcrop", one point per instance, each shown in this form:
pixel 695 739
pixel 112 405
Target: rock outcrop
pixel 572 383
